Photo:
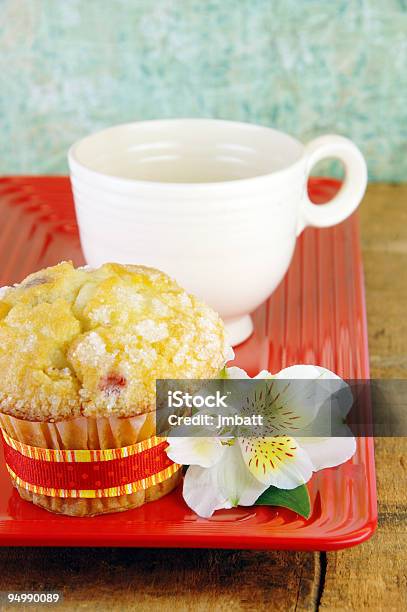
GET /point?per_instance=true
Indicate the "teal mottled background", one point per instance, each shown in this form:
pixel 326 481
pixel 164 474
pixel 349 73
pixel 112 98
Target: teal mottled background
pixel 69 67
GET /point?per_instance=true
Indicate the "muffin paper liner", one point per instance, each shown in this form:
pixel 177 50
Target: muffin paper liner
pixel 104 464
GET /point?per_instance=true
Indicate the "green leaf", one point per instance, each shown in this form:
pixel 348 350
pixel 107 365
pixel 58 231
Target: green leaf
pixel 294 499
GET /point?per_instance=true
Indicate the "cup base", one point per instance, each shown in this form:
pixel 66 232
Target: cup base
pixel 238 330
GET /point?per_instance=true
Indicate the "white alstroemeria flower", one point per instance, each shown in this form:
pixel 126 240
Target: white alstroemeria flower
pixel 228 472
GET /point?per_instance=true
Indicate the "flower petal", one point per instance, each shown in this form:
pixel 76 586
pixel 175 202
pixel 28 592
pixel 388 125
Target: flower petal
pixel 200 492
pixel 229 353
pixel 299 371
pixel 235 372
pixel 324 390
pixel 279 461
pixel 225 485
pixel 204 452
pixel 286 406
pixel 328 452
pixel 236 482
pixel 263 375
pixel 340 388
pixel 334 383
pixel 330 422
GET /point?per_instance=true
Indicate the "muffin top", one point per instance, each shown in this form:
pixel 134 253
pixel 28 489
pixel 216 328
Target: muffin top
pixel 93 342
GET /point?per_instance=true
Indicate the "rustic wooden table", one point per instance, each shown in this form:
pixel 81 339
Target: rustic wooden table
pixel 371 576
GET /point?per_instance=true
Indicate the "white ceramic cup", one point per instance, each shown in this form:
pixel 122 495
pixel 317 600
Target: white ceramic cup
pixel 218 205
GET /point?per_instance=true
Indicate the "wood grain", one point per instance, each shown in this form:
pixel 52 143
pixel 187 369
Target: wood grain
pixel 371 576
pixel 374 576
pixel 125 579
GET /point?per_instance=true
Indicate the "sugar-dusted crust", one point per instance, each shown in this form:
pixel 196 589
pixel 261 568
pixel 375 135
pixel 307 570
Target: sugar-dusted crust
pixel 93 342
pixel 88 433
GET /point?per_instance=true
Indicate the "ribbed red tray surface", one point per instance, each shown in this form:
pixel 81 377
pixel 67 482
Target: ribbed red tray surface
pixel 317 315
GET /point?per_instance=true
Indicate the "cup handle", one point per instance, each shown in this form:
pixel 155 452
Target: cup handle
pixel 353 187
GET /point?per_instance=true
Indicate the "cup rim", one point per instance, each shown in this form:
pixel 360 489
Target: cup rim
pixel 76 164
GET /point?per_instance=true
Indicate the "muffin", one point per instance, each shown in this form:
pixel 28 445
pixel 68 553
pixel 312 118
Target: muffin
pixel 80 352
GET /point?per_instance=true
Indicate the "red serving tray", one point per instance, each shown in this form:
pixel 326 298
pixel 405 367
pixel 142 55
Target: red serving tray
pixel 317 315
